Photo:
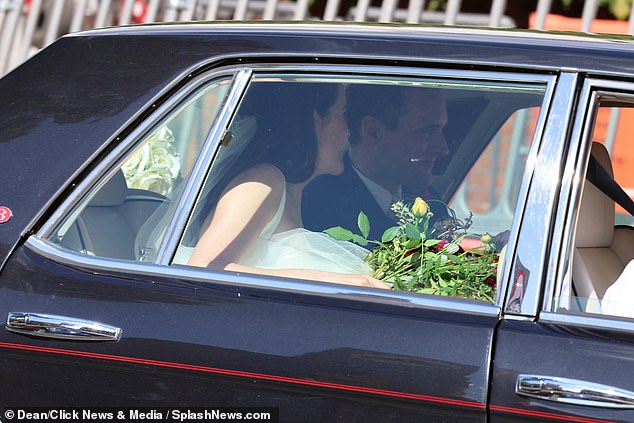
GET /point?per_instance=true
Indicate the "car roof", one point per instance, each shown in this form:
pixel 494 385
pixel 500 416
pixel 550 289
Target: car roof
pixel 66 105
pixel 584 52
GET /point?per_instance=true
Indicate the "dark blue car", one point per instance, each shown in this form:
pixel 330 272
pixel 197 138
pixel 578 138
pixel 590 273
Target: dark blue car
pixel 118 146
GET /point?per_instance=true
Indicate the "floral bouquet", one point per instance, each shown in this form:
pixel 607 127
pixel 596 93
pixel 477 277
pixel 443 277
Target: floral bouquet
pixel 156 165
pixel 420 256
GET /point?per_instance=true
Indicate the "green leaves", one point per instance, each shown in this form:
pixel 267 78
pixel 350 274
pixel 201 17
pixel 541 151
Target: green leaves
pixel 343 234
pixel 340 233
pixel 411 231
pixel 419 256
pixel 364 224
pixel 390 234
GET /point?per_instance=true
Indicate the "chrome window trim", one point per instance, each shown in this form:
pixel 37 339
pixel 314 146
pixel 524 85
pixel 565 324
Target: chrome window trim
pixel 504 285
pixel 187 73
pixel 332 70
pixel 588 321
pixel 100 265
pixel 508 267
pixel 186 201
pixel 104 168
pixel 533 239
pixel 134 136
pixel 195 181
pixel 404 71
pixel 573 181
pixel 398 31
pixel 569 199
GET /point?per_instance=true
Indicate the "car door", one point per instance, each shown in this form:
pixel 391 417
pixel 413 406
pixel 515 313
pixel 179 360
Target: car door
pixel 99 314
pixel 568 356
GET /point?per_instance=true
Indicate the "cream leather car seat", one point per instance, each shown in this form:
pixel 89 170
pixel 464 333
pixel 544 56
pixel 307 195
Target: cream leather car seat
pixel 601 250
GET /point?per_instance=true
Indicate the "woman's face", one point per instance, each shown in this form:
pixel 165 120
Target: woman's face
pixel 332 133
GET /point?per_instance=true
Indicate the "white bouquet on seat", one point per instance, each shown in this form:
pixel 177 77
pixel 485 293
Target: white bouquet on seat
pixel 155 166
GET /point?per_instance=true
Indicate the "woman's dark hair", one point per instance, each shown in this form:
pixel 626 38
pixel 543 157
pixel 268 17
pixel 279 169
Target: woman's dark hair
pixel 285 135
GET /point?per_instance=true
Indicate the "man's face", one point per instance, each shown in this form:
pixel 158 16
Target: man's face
pixel 409 152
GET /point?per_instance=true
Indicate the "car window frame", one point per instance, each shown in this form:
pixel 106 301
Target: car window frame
pixel 532 241
pixel 105 168
pixel 194 184
pixel 576 163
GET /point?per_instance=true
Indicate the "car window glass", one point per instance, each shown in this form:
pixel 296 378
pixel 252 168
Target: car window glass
pixel 356 181
pixel 602 279
pixel 125 215
pixel 491 187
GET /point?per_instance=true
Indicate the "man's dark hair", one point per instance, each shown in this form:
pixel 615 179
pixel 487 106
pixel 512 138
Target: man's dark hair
pixel 384 102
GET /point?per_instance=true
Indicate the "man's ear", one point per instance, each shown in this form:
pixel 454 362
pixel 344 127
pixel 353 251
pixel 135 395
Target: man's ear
pixel 370 128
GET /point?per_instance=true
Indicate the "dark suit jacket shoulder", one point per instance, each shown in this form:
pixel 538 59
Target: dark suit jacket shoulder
pixel 331 201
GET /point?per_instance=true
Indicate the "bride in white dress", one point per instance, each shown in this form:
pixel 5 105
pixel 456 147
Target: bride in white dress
pixel 256 224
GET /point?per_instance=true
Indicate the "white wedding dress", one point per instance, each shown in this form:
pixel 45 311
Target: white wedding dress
pixel 618 299
pixel 297 249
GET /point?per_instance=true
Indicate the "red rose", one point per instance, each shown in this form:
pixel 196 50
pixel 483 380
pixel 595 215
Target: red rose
pixel 441 244
pixel 491 282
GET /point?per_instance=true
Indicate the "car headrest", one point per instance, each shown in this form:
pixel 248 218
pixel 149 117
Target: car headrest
pixel 595 227
pixel 112 193
pixel 600 153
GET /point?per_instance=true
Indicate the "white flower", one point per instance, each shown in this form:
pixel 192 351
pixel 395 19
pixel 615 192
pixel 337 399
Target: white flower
pixel 155 166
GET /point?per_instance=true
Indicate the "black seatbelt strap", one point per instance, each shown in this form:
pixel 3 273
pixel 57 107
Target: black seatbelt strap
pixel 602 179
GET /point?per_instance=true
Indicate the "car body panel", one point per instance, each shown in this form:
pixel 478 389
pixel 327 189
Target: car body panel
pixel 192 337
pixel 210 342
pixel 559 350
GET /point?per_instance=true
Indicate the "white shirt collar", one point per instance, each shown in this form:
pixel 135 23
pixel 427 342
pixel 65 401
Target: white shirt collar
pixel 383 196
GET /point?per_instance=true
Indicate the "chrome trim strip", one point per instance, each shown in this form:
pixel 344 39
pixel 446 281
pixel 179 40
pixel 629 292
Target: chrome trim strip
pixel 420 61
pixel 573 181
pixel 533 243
pixel 401 70
pixel 518 318
pixel 320 289
pixel 416 61
pixel 620 88
pixel 176 228
pixel 573 391
pixel 81 190
pixel 589 321
pixel 504 285
pixel 560 263
pixel 55 217
pixel 60 327
pixel 199 172
pixel 178 223
pixel 105 165
pixel 384 30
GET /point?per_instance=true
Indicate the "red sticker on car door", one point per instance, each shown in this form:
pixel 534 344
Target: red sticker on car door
pixel 5 214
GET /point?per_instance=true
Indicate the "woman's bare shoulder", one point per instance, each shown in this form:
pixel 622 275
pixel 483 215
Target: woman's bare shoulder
pixel 264 173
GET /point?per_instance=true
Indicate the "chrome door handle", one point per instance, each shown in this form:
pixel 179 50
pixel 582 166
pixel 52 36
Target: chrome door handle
pixel 61 327
pixel 572 391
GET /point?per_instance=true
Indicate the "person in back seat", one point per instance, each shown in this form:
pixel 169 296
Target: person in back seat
pixel 255 223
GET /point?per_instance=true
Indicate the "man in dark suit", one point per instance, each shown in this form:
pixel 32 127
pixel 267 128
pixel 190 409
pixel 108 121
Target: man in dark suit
pixel 396 135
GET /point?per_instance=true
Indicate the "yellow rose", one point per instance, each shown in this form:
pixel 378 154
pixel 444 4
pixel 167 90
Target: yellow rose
pixel 420 207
